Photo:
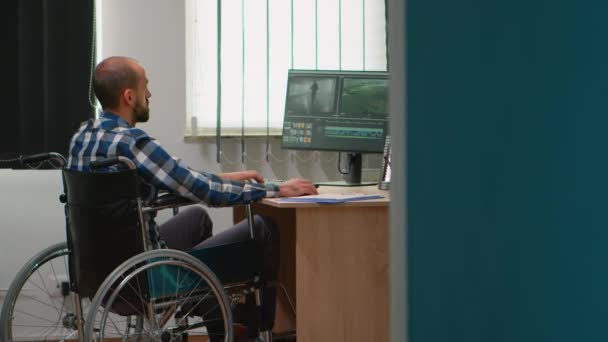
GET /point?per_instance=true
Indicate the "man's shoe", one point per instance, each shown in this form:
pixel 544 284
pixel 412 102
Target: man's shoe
pixel 240 332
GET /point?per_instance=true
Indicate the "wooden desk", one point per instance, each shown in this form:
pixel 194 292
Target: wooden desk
pixel 335 259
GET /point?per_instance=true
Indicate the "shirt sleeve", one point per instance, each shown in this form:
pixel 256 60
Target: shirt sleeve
pixel 162 170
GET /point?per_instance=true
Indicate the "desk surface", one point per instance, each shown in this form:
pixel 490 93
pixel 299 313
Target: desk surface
pixel 367 190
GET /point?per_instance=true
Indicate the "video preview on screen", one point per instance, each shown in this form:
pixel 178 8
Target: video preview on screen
pixel 311 95
pixel 364 97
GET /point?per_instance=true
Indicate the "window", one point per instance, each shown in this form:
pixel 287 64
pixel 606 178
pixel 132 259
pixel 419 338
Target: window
pixel 260 41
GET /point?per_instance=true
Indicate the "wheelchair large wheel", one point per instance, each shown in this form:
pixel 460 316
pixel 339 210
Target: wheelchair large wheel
pixel 176 295
pixel 38 305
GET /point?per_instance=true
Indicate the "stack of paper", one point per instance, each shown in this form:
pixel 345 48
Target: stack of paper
pixel 330 198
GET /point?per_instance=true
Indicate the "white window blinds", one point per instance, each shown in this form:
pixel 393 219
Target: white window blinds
pixel 259 41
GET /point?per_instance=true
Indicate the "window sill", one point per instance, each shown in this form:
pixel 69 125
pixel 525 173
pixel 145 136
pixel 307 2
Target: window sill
pixel 207 134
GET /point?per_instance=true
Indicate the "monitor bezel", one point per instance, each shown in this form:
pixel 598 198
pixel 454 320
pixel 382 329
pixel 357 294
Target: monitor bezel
pixel 339 75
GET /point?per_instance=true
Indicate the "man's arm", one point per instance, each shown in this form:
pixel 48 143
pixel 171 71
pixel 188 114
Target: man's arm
pixel 297 187
pixel 293 187
pixel 160 169
pixel 243 176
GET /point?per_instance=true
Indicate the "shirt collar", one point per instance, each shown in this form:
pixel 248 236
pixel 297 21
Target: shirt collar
pixel 111 116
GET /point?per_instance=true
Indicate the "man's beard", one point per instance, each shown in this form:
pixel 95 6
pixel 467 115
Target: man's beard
pixel 142 113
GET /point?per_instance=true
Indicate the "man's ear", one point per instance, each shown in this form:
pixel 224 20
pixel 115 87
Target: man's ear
pixel 127 96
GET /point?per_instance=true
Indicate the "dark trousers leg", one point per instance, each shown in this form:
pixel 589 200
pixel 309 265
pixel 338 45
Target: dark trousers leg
pixel 266 232
pixel 192 228
pixel 188 228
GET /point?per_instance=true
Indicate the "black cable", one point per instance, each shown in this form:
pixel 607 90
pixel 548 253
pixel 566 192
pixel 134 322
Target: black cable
pixel 92 65
pixel 10 160
pixel 218 114
pixel 17 163
pixel 7 161
pixel 48 162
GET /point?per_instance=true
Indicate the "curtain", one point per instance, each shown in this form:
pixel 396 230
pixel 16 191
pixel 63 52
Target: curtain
pixel 48 47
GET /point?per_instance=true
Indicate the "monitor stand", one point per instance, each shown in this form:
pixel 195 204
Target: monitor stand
pixel 353 178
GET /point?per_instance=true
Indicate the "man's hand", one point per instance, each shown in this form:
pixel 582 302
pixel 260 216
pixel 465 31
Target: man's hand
pixel 243 176
pixel 297 187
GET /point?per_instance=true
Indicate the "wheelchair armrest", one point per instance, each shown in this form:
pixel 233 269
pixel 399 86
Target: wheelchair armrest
pixel 166 200
pixel 169 201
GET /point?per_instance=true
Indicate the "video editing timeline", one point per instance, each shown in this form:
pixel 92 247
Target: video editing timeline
pixel 353 132
pixel 345 134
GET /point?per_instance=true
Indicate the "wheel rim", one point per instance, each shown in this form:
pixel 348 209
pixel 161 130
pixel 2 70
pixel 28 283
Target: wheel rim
pixel 164 315
pixel 36 307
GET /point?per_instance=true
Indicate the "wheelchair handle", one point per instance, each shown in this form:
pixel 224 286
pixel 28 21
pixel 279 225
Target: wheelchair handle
pixel 40 157
pixel 112 161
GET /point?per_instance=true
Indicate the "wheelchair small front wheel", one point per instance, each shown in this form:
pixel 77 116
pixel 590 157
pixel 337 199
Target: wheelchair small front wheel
pixel 176 295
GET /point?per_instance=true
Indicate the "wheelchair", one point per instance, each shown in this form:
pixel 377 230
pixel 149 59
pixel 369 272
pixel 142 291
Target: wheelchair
pixel 112 280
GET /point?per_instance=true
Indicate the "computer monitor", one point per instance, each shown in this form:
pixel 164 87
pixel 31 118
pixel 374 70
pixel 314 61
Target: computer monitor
pixel 342 111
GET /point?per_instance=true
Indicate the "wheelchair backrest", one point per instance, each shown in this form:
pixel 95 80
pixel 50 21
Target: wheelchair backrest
pixel 103 224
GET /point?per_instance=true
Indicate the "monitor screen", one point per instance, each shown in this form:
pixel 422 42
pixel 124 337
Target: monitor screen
pixel 336 111
pixel 364 97
pixel 311 95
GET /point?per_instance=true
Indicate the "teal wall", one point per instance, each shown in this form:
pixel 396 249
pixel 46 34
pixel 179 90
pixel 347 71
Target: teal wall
pixel 507 178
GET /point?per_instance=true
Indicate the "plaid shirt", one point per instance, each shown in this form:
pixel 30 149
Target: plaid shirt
pixel 111 136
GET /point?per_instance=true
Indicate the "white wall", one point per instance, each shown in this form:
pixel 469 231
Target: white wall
pixel 32 217
pixel 153 32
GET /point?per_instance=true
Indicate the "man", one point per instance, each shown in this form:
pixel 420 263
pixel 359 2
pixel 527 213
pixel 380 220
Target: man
pixel 314 88
pixel 121 86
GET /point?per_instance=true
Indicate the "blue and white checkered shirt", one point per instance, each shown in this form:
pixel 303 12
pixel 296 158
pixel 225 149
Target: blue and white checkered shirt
pixel 111 136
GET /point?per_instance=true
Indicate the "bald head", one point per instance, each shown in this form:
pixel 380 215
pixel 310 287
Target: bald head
pixel 112 76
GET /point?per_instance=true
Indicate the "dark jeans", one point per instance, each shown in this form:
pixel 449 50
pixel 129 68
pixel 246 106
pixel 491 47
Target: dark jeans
pixel 192 228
